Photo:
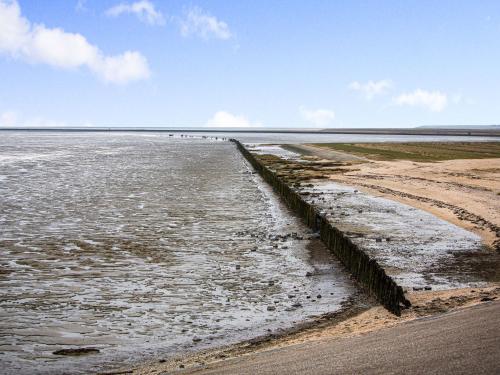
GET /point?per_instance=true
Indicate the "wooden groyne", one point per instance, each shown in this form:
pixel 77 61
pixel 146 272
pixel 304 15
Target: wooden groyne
pixel 365 269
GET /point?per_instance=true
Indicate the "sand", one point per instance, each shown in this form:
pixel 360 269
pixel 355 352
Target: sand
pixel 463 192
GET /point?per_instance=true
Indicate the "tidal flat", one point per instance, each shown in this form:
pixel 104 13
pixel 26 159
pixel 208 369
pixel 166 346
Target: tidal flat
pixel 418 249
pixel 146 246
pixel 442 267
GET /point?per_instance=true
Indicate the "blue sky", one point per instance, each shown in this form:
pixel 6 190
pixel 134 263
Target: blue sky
pixel 249 63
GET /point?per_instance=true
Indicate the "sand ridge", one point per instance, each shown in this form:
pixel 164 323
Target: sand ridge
pixel 463 192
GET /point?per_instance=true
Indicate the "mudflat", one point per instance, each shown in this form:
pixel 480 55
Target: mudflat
pixel 458 182
pixel 119 247
pixel 311 174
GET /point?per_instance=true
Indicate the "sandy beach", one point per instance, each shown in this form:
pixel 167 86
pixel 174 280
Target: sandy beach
pixel 465 192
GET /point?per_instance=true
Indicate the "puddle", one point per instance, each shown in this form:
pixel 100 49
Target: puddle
pixel 415 247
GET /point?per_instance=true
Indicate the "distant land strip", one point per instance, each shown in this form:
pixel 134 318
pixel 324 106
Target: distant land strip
pixel 493 131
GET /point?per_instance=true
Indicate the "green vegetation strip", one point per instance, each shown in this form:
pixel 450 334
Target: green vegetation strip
pixel 419 151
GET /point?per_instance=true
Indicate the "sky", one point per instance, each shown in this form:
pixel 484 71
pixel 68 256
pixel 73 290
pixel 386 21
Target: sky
pixel 249 63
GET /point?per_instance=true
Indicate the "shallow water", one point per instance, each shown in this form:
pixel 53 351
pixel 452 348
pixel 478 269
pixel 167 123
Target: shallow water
pixel 292 138
pixel 145 245
pixel 412 245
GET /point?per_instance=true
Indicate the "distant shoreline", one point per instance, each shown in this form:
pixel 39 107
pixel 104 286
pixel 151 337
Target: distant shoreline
pixel 467 132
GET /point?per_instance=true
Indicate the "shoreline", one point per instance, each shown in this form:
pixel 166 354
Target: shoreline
pixel 452 214
pixel 199 270
pixel 435 187
pixel 361 265
pixel 439 188
pixel 347 323
pixel 338 326
pixel 242 347
pixel 459 132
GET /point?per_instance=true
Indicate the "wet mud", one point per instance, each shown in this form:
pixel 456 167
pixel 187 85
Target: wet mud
pixel 117 247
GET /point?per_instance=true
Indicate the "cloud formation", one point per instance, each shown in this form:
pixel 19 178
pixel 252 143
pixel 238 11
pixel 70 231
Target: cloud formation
pixel 371 89
pixel 145 11
pixel 318 117
pixel 223 119
pixel 200 23
pixel 35 43
pixel 434 101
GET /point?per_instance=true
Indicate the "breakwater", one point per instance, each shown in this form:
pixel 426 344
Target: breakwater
pixel 364 268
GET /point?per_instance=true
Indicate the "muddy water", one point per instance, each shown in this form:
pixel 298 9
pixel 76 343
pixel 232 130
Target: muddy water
pixel 145 245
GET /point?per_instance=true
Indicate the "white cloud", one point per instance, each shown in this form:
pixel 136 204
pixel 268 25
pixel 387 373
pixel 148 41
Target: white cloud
pixel 145 10
pixel 434 101
pixel 128 66
pixel 14 29
pixel 35 43
pixel 319 117
pixel 223 119
pixel 199 23
pixel 371 89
